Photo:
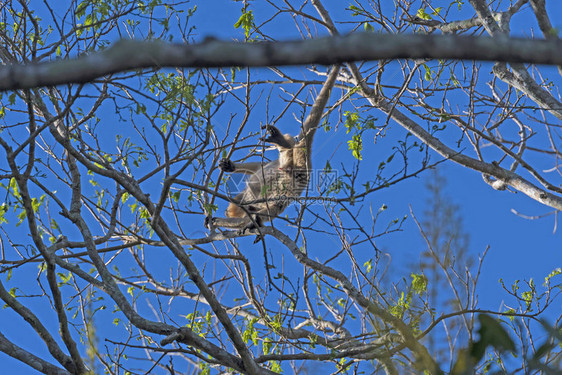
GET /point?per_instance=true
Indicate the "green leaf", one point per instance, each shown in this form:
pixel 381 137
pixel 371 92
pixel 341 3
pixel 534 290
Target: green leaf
pixel 356 146
pixel 212 208
pixel 21 216
pixel 491 333
pixel 543 350
pixel 351 120
pixel 356 10
pixel 64 277
pixel 528 298
pixel 368 265
pixel 133 206
pixel 36 203
pixel 81 9
pixel 266 346
pixel 422 14
pixel 3 209
pixel 176 196
pixel 275 366
pixel 510 311
pixel 14 186
pixel 427 76
pixel 419 283
pixel 143 213
pixel 555 272
pixel 246 22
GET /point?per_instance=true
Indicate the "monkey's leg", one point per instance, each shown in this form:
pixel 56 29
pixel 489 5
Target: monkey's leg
pixel 243 224
pixel 227 222
pixel 236 216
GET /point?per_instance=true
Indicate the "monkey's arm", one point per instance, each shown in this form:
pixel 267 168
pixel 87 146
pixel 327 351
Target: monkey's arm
pixel 313 119
pixel 227 165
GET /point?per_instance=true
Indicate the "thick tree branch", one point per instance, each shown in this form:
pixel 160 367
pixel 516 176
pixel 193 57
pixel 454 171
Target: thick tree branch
pixel 186 335
pixel 41 330
pixel 488 170
pixel 6 346
pixel 520 78
pixel 131 54
pixel 511 179
pixel 26 202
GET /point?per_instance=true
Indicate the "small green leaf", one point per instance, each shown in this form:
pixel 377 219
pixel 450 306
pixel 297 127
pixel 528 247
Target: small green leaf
pixel 275 366
pixel 427 76
pixel 356 10
pixel 65 278
pixel 510 311
pixel 133 206
pixel 3 209
pixel 36 203
pixel 212 208
pixel 14 186
pixel 266 346
pixel 368 265
pixel 246 22
pixel 419 283
pixel 555 272
pixel 356 146
pixel 422 14
pixel 351 120
pixel 176 196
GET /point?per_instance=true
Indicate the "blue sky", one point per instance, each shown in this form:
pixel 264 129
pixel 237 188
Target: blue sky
pixel 519 248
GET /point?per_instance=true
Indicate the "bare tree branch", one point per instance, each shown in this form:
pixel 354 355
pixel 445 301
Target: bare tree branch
pixel 41 330
pixel 111 178
pixel 131 54
pixel 33 361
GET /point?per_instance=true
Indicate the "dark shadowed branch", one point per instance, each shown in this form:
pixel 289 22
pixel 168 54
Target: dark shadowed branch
pixel 127 55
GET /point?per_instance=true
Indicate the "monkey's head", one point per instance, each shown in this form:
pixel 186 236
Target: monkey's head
pixel 275 137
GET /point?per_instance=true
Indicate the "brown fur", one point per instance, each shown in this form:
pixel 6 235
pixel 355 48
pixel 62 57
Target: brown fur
pixel 269 186
pixel 234 210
